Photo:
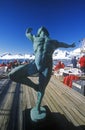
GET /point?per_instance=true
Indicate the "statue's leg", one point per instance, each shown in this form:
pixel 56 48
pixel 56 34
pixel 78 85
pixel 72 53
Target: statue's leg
pixel 20 74
pixel 44 78
pixel 38 113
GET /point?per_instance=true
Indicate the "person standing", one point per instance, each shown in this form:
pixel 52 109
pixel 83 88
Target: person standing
pixel 74 62
pixel 82 63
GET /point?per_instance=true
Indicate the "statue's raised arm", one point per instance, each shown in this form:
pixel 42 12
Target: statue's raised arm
pixel 58 44
pixel 73 44
pixel 28 33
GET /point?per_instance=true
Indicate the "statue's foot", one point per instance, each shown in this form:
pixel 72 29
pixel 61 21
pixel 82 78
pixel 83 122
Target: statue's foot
pixel 37 116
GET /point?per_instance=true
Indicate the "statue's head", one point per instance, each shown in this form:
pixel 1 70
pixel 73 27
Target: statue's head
pixel 44 30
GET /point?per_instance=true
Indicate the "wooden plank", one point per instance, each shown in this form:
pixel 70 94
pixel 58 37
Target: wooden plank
pixel 59 98
pixel 62 106
pixel 68 106
pixel 73 105
pixel 5 107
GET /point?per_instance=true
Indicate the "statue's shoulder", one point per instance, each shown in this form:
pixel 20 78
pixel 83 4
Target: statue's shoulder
pixel 47 39
pixel 34 36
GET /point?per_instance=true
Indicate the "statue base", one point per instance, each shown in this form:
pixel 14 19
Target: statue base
pixel 37 116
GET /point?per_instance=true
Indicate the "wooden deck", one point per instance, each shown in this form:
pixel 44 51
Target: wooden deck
pixel 65 107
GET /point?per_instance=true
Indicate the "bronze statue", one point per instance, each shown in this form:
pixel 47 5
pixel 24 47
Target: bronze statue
pixel 43 47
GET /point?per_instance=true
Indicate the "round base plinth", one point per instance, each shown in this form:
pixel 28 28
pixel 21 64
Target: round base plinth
pixel 37 116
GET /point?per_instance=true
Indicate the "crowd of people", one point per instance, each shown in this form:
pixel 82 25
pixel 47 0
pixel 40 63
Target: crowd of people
pixel 12 64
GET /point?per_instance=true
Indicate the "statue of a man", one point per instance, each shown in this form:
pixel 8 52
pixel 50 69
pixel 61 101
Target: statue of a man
pixel 43 47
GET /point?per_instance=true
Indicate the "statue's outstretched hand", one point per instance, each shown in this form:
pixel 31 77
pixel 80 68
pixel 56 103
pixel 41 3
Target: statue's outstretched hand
pixel 28 30
pixel 73 44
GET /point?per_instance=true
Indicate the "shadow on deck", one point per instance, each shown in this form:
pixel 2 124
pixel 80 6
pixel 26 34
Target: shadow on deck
pixel 53 121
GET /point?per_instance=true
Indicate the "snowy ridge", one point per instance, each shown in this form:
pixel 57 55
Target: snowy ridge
pixel 58 54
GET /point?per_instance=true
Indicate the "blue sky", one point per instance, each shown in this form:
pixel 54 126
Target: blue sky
pixel 64 19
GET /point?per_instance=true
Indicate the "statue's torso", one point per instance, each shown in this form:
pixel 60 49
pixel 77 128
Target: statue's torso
pixel 43 52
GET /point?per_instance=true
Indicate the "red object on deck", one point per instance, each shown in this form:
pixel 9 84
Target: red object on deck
pixel 68 80
pixel 59 66
pixel 1 65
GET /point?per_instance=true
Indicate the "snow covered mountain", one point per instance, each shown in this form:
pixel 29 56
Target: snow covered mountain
pixel 9 56
pixel 63 54
pixel 58 54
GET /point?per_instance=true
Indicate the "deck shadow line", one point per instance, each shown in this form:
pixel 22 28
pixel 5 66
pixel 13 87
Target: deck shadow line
pixel 4 92
pixel 13 123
